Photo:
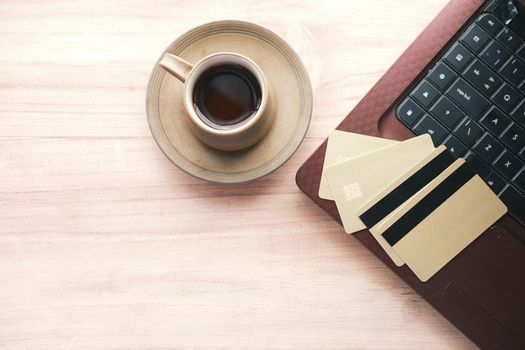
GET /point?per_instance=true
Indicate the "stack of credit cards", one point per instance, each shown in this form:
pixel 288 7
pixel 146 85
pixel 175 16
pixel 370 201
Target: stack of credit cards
pixel 421 205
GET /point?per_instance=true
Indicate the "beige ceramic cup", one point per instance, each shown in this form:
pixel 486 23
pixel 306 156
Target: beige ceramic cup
pixel 234 137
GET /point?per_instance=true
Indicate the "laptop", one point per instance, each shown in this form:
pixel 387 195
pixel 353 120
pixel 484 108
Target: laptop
pixel 463 82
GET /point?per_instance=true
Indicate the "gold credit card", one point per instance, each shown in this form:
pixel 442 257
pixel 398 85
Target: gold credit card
pixel 354 182
pixel 440 220
pixel 346 145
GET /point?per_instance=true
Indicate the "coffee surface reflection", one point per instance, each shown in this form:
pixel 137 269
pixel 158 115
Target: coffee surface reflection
pixel 226 95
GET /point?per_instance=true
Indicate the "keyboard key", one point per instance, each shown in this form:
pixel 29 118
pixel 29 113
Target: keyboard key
pixel 519 181
pixel 521 52
pixel 522 88
pixel 514 138
pixel 427 125
pixel 425 94
pixel 495 182
pixel 455 147
pixel 468 98
pixel 510 39
pixel 482 78
pixel 409 112
pixel 442 75
pixel 490 23
pixel 458 57
pixel 506 98
pixel 494 55
pixel 477 164
pixel 515 201
pixel 508 164
pixel 475 38
pixel 513 71
pixel 488 148
pixel 495 121
pixel 519 114
pixel 468 131
pixel 447 112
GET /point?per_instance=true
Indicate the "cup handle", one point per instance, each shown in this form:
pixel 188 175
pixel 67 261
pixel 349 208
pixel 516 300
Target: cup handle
pixel 176 66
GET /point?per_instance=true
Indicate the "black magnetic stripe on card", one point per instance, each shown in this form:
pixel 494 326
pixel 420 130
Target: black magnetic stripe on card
pixel 428 204
pixel 407 189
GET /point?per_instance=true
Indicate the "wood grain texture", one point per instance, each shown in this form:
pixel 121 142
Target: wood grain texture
pixel 104 244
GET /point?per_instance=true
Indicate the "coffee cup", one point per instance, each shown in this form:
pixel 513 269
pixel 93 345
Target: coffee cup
pixel 227 99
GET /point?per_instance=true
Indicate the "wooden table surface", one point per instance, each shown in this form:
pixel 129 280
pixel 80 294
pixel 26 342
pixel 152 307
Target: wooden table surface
pixel 104 244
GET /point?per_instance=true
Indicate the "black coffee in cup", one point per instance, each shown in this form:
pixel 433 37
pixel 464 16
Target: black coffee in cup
pixel 226 95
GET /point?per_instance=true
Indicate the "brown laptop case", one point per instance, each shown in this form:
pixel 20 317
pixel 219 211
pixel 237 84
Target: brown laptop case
pixel 482 290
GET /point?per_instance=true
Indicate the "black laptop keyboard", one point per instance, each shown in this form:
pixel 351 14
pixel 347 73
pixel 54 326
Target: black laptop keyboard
pixel 473 102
